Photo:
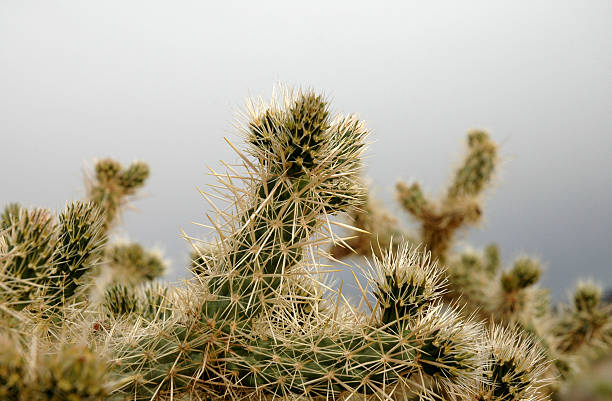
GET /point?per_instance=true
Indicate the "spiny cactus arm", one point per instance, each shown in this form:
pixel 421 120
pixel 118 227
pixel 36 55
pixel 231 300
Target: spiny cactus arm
pixel 112 185
pixel 477 169
pixel 406 282
pixel 79 249
pixel 517 367
pixel 461 206
pixel 291 194
pixel 515 296
pixel 150 301
pixel 412 199
pixel 586 325
pixel 29 239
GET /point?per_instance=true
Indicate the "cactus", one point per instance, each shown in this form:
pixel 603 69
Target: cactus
pixel 517 367
pixel 461 206
pixel 567 335
pixel 132 263
pixel 127 263
pixel 149 301
pixel 587 324
pixel 256 324
pixel 74 373
pixel 439 221
pixel 258 319
pixel 44 261
pixel 112 186
pixel 12 369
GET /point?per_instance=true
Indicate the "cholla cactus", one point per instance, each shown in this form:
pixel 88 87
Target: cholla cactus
pixel 128 263
pixel 258 320
pixel 439 220
pixel 74 373
pixel 461 206
pixel 131 263
pixel 228 337
pixel 112 185
pixel 149 301
pixel 587 324
pixel 509 297
pixel 46 262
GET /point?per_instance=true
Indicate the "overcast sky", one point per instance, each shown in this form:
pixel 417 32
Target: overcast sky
pixel 161 81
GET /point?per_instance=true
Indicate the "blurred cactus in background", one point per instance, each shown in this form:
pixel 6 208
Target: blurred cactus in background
pixel 131 263
pixel 461 206
pixel 84 319
pixel 374 229
pixel 112 185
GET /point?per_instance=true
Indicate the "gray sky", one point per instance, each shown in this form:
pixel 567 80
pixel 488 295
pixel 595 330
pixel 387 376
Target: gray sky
pixel 162 81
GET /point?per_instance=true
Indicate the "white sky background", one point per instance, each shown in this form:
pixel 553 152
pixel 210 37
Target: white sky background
pixel 162 81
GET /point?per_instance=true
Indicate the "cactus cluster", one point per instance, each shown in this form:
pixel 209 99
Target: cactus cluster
pixel 84 319
pixel 44 261
pixel 568 335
